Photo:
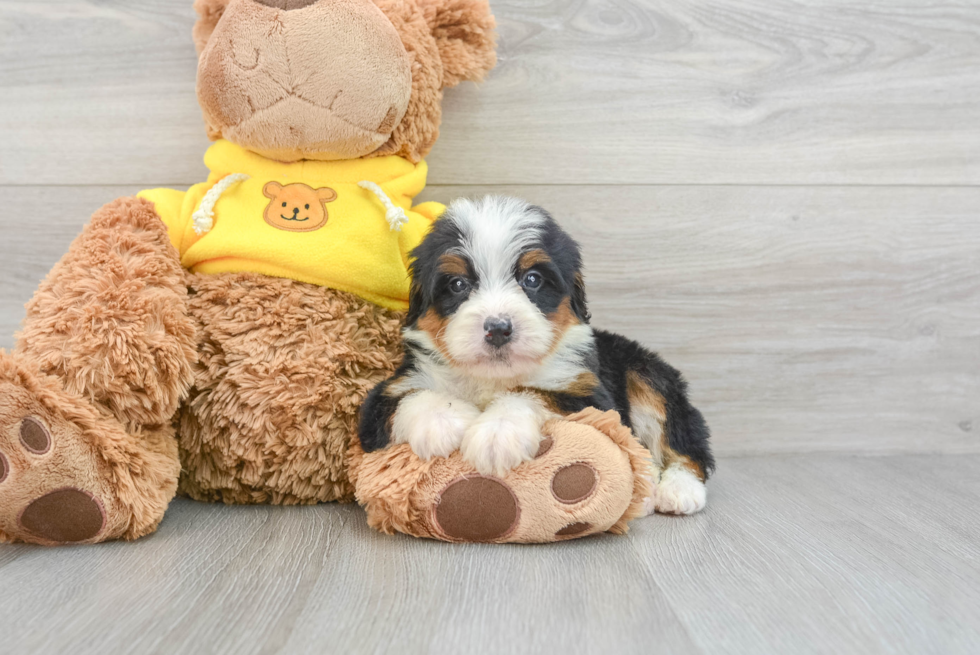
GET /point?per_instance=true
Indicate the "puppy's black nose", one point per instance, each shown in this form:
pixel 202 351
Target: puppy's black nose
pixel 295 210
pixel 497 331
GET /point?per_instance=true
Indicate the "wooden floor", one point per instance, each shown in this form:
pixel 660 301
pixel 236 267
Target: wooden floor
pixel 782 198
pixel 795 554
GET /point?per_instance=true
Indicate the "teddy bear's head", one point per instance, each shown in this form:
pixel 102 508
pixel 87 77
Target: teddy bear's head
pixel 336 79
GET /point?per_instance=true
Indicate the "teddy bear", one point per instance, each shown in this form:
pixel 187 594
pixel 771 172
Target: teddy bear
pixel 219 341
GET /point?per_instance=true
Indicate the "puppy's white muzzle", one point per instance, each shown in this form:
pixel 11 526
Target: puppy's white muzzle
pixel 498 332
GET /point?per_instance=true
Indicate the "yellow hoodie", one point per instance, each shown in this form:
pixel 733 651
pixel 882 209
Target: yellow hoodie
pixel 321 222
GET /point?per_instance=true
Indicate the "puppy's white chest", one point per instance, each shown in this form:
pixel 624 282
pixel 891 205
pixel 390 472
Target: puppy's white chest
pixel 480 392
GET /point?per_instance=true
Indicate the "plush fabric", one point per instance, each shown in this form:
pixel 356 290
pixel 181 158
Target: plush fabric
pixel 327 81
pixel 110 320
pixel 283 369
pixel 463 30
pixel 129 478
pixel 588 477
pixel 101 364
pixel 354 249
pixel 209 12
pixel 443 41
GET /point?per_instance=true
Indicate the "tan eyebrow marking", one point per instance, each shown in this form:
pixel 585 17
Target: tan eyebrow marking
pixel 435 326
pixel 533 258
pixel 453 265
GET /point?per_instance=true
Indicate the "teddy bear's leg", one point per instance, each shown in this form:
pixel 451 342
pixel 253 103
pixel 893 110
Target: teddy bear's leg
pixel 587 477
pixel 87 451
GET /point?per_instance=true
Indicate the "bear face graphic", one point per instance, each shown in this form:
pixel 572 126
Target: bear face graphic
pixel 297 207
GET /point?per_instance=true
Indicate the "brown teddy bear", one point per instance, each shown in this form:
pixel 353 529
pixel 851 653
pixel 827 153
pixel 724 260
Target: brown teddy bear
pixel 222 339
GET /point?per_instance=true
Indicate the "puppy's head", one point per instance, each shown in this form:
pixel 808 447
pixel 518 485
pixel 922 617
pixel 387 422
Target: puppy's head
pixel 496 286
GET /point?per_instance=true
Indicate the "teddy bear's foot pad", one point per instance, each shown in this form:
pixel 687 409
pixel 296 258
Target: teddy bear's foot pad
pixel 64 516
pixel 583 480
pixel 477 508
pixel 54 486
pixel 34 436
pixel 480 508
pixel 31 461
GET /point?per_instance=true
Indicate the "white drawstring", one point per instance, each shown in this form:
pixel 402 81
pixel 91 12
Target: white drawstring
pixel 394 215
pixel 204 216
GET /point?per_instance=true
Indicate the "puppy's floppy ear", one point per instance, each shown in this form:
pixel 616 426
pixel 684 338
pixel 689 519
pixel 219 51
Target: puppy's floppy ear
pixel 416 303
pixel 567 256
pixel 464 33
pixel 579 304
pixel 422 268
pixel 209 12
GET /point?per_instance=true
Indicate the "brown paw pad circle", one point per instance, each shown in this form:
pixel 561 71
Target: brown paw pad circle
pixel 64 516
pixel 477 509
pixel 34 436
pixel 574 483
pixel 544 447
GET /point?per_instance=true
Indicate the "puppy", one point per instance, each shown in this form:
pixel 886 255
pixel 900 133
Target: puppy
pixel 497 341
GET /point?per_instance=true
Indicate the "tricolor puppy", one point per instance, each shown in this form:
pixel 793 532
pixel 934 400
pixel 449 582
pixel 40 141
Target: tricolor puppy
pixel 498 341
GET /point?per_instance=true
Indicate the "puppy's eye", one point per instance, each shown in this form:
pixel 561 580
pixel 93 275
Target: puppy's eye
pixel 283 204
pixel 458 285
pixel 307 206
pixel 532 280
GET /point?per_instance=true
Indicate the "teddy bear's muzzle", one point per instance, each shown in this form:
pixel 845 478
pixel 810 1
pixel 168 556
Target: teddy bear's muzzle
pixel 295 129
pixel 329 82
pixel 287 5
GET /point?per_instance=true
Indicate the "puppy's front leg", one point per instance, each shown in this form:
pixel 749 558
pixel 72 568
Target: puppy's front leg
pixel 432 423
pixel 506 434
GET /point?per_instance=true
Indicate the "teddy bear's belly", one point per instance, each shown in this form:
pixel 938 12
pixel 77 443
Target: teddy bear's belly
pixel 283 368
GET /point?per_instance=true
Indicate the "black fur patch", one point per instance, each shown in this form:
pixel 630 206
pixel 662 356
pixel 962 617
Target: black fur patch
pixel 375 421
pixel 563 278
pixel 378 410
pixel 430 287
pixel 686 430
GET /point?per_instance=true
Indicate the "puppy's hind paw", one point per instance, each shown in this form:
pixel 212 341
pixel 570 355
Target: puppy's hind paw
pixel 679 491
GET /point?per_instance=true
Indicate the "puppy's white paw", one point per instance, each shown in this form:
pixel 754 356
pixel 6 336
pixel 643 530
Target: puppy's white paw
pixel 433 424
pixel 508 433
pixel 679 492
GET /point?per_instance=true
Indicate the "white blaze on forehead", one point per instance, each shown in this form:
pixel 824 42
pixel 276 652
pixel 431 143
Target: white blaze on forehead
pixel 496 231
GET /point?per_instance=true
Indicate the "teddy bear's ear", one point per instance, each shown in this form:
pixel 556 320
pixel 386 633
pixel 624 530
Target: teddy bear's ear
pixel 464 32
pixel 209 12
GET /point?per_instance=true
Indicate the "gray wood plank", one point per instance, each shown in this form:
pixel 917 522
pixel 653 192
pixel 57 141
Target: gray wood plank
pixel 637 91
pixel 803 554
pixel 806 319
pixel 823 554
